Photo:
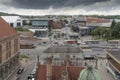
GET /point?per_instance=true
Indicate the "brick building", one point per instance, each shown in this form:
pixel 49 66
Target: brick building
pixel 49 71
pixel 9 50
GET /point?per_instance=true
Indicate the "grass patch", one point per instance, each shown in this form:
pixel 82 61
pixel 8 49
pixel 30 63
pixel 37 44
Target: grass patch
pixel 23 56
pixel 21 29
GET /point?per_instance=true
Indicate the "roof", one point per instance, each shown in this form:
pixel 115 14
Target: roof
pixel 73 72
pixel 39 19
pixel 116 55
pixel 10 19
pixel 6 30
pixel 90 74
pixel 26 34
pixel 97 20
pixel 63 49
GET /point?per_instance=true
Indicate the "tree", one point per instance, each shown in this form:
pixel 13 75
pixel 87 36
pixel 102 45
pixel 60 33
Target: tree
pixel 116 30
pixel 113 24
pixel 101 32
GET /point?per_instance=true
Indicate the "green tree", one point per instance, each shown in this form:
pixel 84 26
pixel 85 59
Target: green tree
pixel 116 30
pixel 113 24
pixel 101 32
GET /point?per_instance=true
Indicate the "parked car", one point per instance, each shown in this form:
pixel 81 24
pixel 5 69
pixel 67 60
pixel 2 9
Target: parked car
pixel 31 77
pixel 20 70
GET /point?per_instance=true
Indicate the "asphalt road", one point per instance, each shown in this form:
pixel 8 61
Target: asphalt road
pixel 32 53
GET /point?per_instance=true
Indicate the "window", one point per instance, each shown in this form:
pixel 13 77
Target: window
pixel 15 45
pixel 12 24
pixel 8 49
pixel 18 24
pixel 0 54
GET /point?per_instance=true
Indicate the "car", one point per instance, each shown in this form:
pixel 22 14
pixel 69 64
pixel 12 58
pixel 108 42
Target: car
pixel 31 77
pixel 20 70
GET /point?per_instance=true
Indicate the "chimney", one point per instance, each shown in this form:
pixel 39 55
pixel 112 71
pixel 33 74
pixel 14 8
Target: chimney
pixel 49 68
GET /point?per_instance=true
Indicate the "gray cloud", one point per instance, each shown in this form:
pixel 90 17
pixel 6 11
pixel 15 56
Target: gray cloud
pixel 45 4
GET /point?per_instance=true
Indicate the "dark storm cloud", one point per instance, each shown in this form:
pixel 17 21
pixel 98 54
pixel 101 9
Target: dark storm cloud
pixel 45 4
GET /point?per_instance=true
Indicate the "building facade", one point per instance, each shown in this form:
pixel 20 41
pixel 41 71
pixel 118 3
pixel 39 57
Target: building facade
pixel 9 50
pixel 40 27
pixel 113 64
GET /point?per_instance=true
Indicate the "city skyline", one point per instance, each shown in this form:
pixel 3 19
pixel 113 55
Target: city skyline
pixel 60 7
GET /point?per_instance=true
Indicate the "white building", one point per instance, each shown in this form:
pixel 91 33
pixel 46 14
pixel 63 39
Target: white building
pixel 13 21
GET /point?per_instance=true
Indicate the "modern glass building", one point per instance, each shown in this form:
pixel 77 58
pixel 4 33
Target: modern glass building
pixel 40 27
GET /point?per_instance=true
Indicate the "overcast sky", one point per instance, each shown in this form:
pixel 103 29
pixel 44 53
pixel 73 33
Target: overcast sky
pixel 67 7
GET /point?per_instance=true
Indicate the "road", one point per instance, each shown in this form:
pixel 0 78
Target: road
pixel 31 63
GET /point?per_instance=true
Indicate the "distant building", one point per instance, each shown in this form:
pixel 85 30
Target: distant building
pixel 9 50
pixel 14 21
pixel 40 27
pixel 56 24
pixel 26 40
pixel 26 35
pixel 84 31
pixel 113 64
pixel 98 22
pixel 79 21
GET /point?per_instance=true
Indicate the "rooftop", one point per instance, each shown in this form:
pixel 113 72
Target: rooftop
pixel 73 72
pixel 97 20
pixel 11 19
pixel 6 30
pixel 63 49
pixel 115 54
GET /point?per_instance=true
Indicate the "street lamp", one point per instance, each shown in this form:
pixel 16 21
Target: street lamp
pixel 96 62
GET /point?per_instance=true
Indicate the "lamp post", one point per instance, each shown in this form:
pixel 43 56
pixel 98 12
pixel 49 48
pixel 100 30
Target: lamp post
pixel 96 62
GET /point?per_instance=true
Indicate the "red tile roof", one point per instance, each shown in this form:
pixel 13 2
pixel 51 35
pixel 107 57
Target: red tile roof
pixel 73 72
pixel 6 30
pixel 97 20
